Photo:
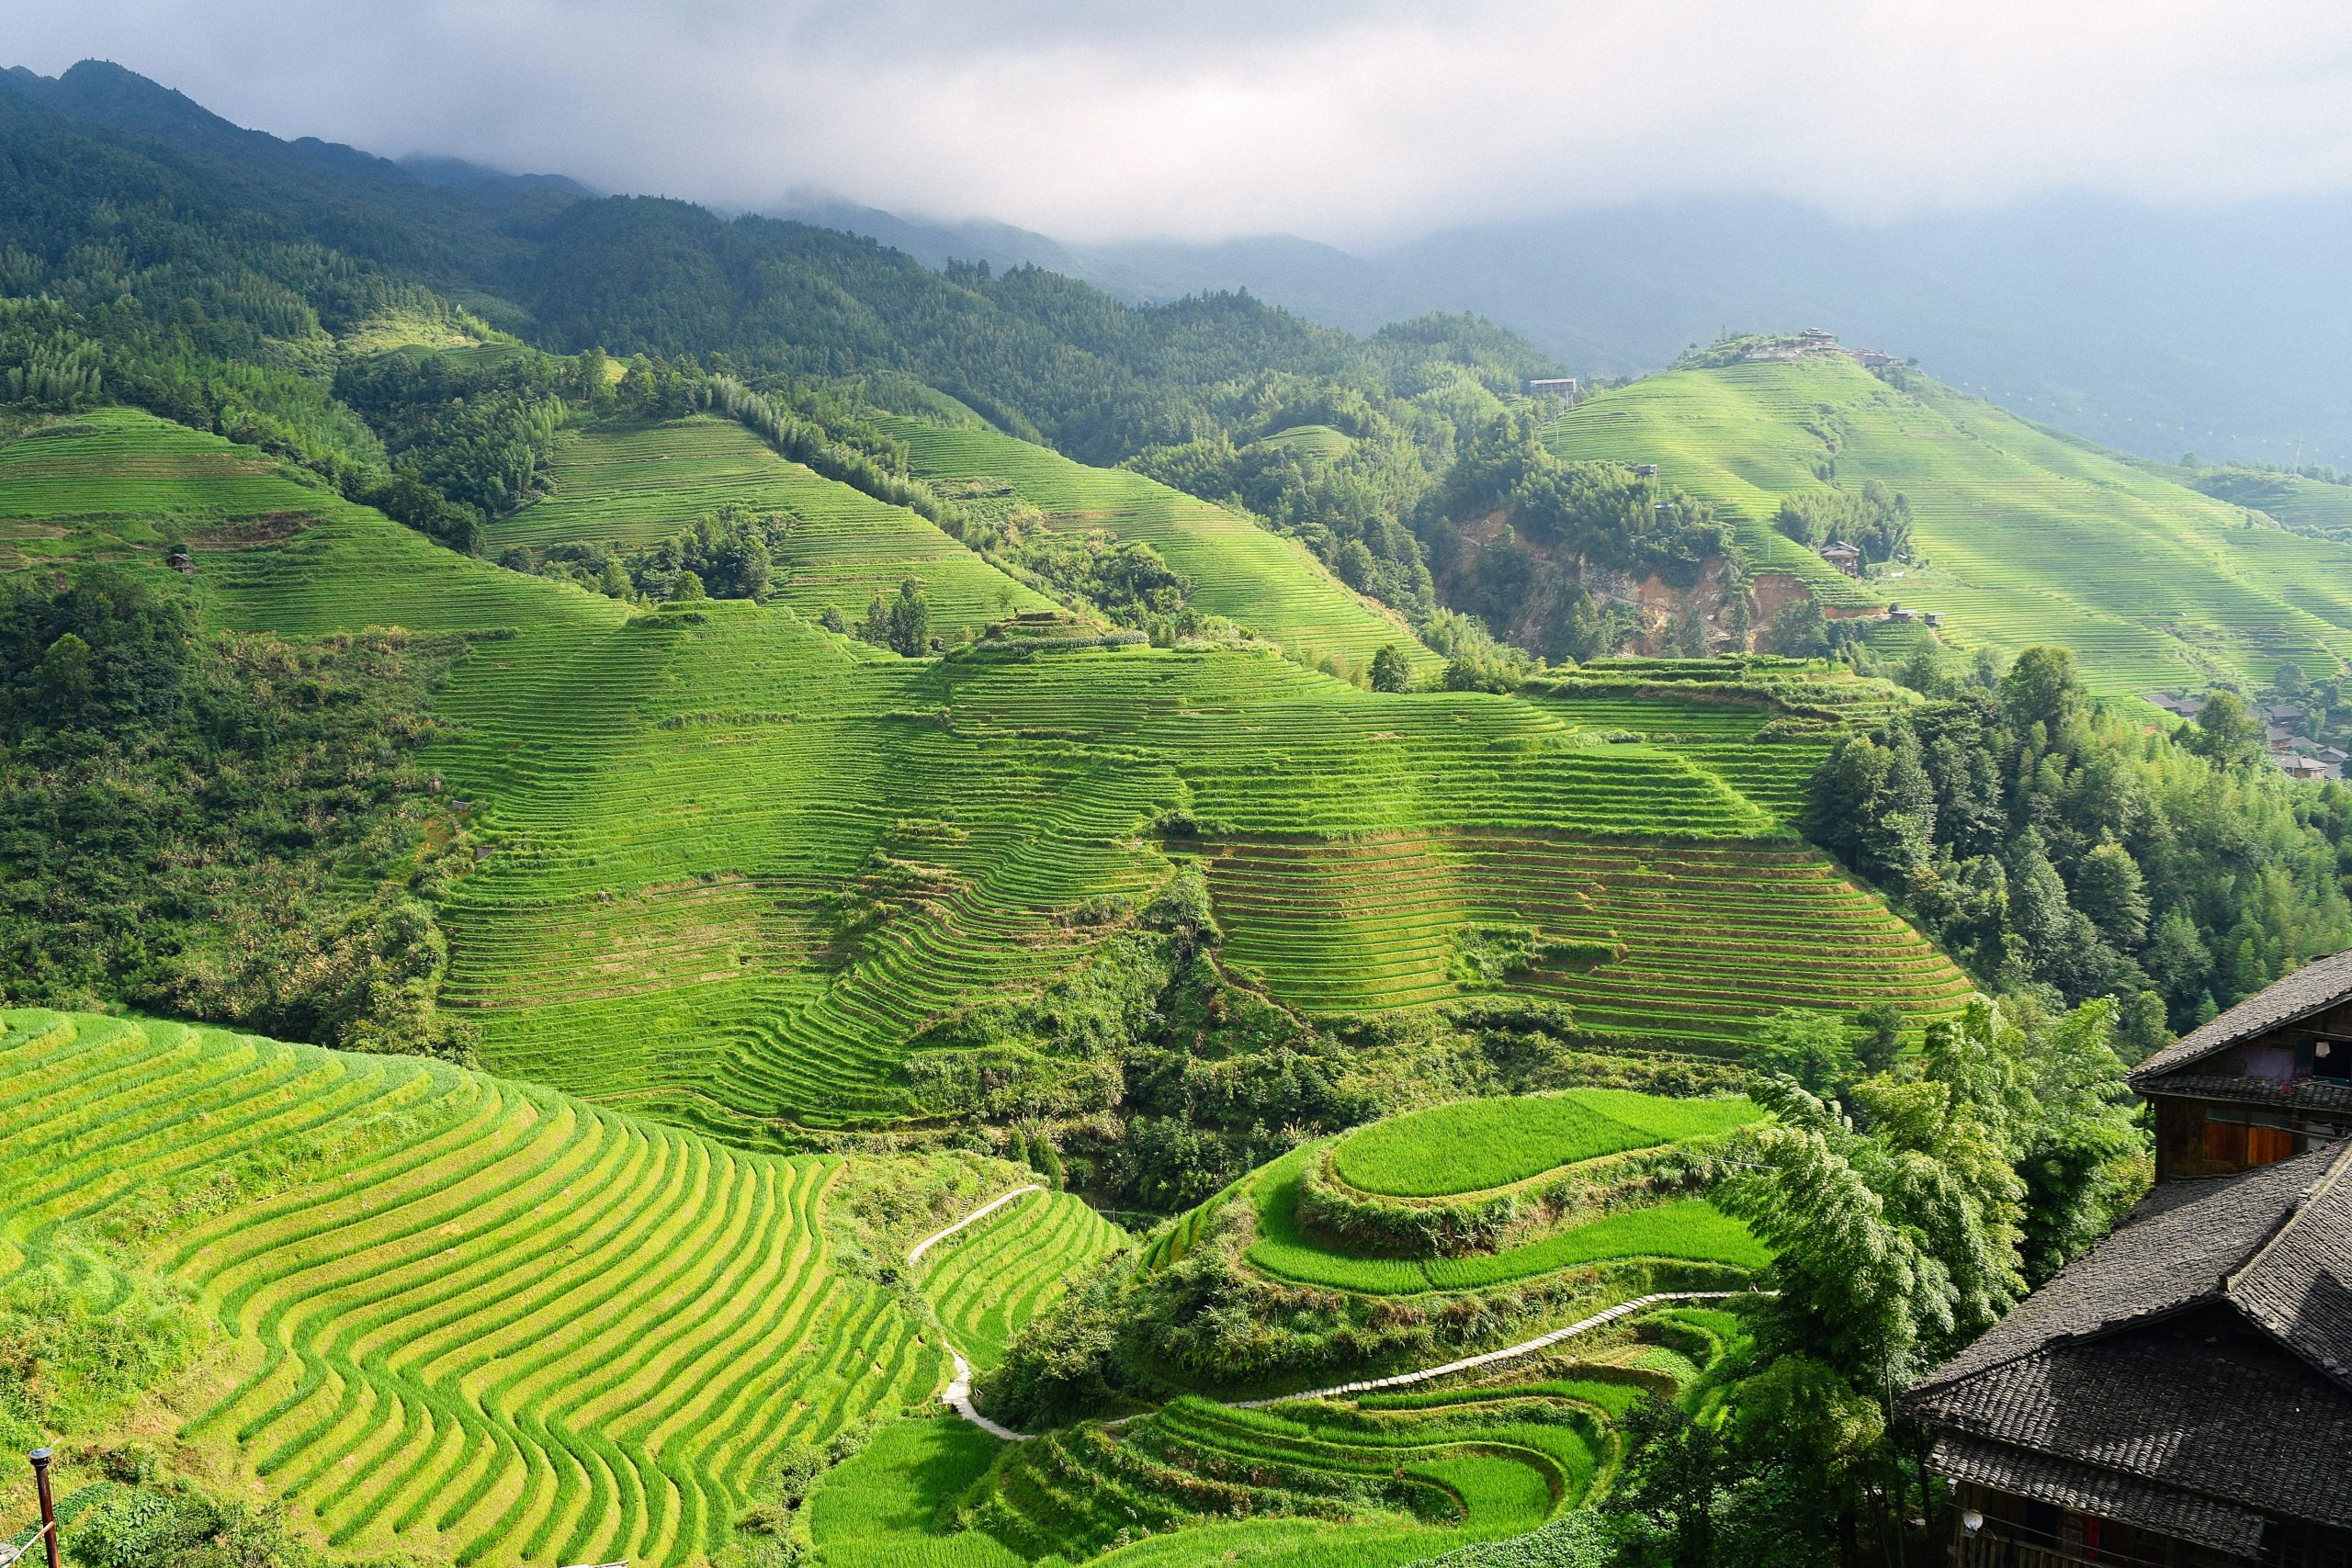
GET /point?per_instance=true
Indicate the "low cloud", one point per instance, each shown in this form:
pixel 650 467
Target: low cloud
pixel 1351 122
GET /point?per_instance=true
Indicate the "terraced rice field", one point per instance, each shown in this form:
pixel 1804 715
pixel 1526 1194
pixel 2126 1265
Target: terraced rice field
pixel 730 865
pixel 2304 505
pixel 1722 450
pixel 630 486
pixel 1720 736
pixel 1471 1146
pixel 887 1507
pixel 987 1282
pixel 469 1319
pixel 2033 536
pixel 1712 937
pixel 1266 582
pixel 1436 1474
pixel 1685 1230
pixel 270 554
pixel 1311 441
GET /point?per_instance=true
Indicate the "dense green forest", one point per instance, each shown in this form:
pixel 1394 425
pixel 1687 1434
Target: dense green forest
pixel 2052 842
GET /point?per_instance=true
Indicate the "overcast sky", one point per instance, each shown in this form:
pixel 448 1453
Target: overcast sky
pixel 1349 123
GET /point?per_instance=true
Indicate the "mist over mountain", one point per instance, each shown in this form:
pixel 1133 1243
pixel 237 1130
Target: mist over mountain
pixel 2218 329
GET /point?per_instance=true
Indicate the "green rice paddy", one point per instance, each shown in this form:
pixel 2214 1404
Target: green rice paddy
pixel 1689 1230
pixel 1476 1146
pixel 630 486
pixel 460 1316
pixel 988 1280
pixel 1473 1144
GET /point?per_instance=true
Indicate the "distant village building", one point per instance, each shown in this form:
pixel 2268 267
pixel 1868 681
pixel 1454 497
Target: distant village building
pixel 1932 618
pixel 2181 1395
pixel 1843 557
pixel 181 562
pixel 1645 471
pixel 2307 769
pixel 1553 386
pixel 1871 358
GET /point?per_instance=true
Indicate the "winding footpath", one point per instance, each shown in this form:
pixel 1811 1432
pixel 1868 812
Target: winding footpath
pixel 958 1395
pixel 959 1387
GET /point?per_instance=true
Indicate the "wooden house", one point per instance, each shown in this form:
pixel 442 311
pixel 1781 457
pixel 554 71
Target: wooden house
pixel 2180 1396
pixel 1846 557
pixel 2266 1080
pixel 1552 387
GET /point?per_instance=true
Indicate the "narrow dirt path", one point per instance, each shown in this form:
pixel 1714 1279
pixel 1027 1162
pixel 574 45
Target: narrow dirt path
pixel 959 1395
pixel 1467 1364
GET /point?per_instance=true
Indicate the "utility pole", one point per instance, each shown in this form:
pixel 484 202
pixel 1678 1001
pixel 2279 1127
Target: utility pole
pixel 48 1504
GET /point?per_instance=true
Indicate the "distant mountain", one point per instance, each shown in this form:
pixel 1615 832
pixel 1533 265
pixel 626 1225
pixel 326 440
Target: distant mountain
pixel 2218 329
pixel 457 172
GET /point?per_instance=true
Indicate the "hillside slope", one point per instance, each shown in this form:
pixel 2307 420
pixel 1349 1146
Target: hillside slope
pixel 729 864
pixel 2029 537
pixel 436 1311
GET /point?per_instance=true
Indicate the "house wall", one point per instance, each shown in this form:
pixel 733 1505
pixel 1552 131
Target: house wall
pixel 2197 1137
pixel 2019 1532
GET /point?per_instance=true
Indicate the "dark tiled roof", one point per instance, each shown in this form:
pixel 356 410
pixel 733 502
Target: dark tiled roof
pixel 2310 1094
pixel 2322 983
pixel 2198 1404
pixel 2177 1247
pixel 2299 1287
pixel 2205 1347
pixel 2110 1497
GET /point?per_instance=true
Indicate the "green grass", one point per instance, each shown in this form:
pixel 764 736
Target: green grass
pixel 1473 1144
pixel 733 863
pixel 459 1317
pixel 2033 536
pixel 1314 441
pixel 988 1280
pixel 1684 1230
pixel 1266 582
pixel 629 486
pixel 885 1507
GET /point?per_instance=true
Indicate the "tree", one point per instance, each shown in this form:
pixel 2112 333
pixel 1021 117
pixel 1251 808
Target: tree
pixel 1879 1036
pixel 2111 890
pixel 2179 959
pixel 1799 630
pixel 1674 1469
pixel 1390 670
pixel 687 586
pixel 875 627
pixel 2042 688
pixel 2228 732
pixel 1813 1048
pixel 2141 1028
pixel 908 627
